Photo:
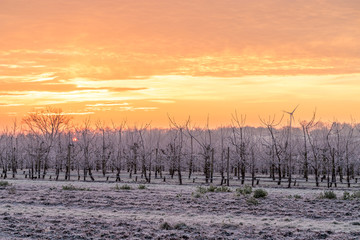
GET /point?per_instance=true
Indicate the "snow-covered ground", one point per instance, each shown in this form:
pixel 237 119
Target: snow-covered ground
pixel 100 210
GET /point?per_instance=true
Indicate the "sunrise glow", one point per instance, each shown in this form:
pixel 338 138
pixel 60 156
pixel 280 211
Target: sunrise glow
pixel 142 60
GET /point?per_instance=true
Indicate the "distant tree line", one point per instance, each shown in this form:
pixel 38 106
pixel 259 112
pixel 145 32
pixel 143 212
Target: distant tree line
pixel 46 140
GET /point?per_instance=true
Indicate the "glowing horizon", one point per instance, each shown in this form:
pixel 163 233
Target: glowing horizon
pixel 141 60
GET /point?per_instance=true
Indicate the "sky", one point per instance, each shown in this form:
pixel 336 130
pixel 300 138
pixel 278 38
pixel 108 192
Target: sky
pixel 143 60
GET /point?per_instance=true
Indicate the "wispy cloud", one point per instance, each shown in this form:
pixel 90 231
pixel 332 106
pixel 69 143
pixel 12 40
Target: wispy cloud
pixel 68 113
pixel 154 55
pixel 162 101
pixel 10 104
pixel 107 104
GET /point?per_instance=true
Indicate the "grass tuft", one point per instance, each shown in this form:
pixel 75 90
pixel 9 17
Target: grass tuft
pixel 252 201
pixel 180 226
pixel 356 194
pixel 223 189
pixel 4 183
pixel 260 193
pixel 201 190
pixel 165 226
pixel 328 195
pixel 71 187
pixel 346 196
pixel 196 194
pixel 142 187
pixel 349 196
pixel 246 190
pixel 212 188
pixel 11 190
pixel 124 187
pixel 296 196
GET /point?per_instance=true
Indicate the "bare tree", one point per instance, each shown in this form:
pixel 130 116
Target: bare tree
pixel 178 145
pixel 240 141
pixel 223 166
pixel 254 148
pixel 333 140
pixel 304 125
pixel 118 149
pixel 104 153
pixel 46 124
pixel 146 150
pixel 3 157
pixel 314 141
pixel 14 148
pixel 207 149
pixel 276 149
pixel 86 140
pixel 350 147
pixel 132 152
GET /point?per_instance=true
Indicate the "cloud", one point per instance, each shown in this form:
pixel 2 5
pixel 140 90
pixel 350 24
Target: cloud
pixel 18 87
pixel 10 94
pixel 218 38
pixel 126 89
pixel 117 107
pixel 165 53
pixel 10 105
pixel 69 113
pixel 78 113
pixel 107 104
pixel 162 101
pixel 132 109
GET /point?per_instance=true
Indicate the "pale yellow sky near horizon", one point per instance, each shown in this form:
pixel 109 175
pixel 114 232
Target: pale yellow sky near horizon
pixel 141 60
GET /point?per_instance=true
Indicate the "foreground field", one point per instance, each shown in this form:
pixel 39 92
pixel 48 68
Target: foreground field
pixel 84 210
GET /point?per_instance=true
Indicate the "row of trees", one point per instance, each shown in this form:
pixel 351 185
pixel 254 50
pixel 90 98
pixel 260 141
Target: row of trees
pixel 315 150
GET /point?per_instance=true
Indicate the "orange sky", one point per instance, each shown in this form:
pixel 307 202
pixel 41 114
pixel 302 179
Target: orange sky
pixel 139 60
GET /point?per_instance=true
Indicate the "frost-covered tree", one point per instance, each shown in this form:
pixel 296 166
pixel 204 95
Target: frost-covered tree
pixel 45 125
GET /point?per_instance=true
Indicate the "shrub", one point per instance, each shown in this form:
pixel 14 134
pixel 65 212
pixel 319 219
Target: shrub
pixel 244 190
pixel 180 226
pixel 4 183
pixel 125 187
pixel 222 189
pixel 356 194
pixel 165 226
pixel 201 190
pixel 196 195
pixel 296 196
pixel 252 201
pixel 11 190
pixel 71 187
pixel 346 196
pixel 141 186
pixel 328 195
pixel 211 188
pixel 260 193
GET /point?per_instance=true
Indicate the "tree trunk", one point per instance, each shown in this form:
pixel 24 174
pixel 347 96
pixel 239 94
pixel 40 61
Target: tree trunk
pixel 191 157
pixel 118 175
pixel 212 166
pixel 228 167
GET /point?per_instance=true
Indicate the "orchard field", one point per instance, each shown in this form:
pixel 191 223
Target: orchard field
pixel 93 181
pixel 48 209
